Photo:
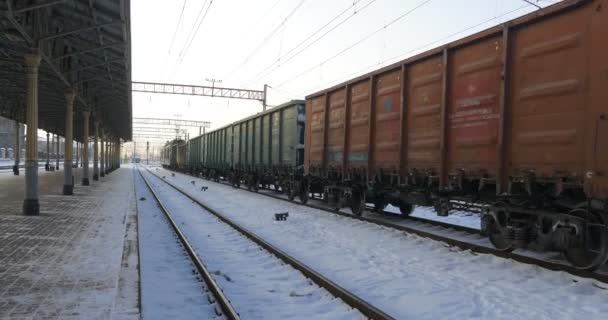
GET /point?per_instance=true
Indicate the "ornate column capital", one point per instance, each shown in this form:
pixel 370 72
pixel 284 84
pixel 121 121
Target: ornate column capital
pixel 32 59
pixel 70 95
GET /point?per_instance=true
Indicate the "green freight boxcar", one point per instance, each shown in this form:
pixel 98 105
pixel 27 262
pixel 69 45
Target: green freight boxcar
pixel 194 155
pixel 174 155
pixel 271 148
pixel 263 150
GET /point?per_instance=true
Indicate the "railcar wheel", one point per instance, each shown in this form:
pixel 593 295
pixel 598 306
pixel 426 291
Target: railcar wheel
pixel 494 232
pixel 357 204
pixel 304 194
pixel 291 193
pixel 406 209
pixel 256 186
pixel 380 205
pixel 442 207
pixel 582 258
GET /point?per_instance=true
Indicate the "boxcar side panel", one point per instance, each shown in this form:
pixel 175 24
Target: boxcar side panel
pixel 212 149
pixel 597 133
pixel 548 97
pixel 358 132
pixel 301 118
pixel 317 127
pixel 257 141
pixel 236 143
pixel 243 141
pixel 228 147
pixel 387 97
pixel 289 134
pixel 204 150
pixel 250 138
pixel 424 96
pixel 276 130
pixel 265 139
pixel 209 150
pixel 473 107
pixel 222 133
pixel 335 130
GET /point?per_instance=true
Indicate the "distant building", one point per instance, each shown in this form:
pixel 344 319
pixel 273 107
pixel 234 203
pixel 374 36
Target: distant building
pixel 7 134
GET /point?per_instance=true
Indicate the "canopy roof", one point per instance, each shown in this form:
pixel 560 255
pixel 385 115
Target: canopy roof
pixel 85 45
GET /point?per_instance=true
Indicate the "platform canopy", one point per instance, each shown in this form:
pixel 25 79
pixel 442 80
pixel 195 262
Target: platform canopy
pixel 85 45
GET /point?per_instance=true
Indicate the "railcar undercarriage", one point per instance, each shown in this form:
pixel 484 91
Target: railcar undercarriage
pixel 542 216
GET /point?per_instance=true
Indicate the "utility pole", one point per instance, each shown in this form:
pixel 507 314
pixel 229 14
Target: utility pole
pixel 265 94
pixel 177 116
pixel 147 152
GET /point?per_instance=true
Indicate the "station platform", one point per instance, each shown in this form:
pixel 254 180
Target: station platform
pixel 78 259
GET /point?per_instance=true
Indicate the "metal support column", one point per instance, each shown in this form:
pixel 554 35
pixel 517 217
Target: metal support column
pixel 96 152
pixel 75 165
pixel 85 148
pixel 106 156
pixel 52 167
pixel 109 155
pixel 118 153
pixel 102 156
pixel 47 166
pixel 16 148
pixel 68 183
pixel 31 206
pixel 58 155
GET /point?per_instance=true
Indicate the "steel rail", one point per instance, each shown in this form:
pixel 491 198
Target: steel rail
pixel 464 245
pixel 349 298
pixel 226 306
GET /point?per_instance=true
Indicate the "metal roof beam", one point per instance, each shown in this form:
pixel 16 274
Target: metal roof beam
pixel 38 6
pixel 92 66
pixel 77 30
pixel 75 53
pixel 11 18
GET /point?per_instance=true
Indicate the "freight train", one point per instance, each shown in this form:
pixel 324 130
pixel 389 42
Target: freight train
pixel 511 120
pixel 266 149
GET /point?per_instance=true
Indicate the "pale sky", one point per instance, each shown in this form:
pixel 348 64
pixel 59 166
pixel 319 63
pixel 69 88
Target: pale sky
pixel 238 40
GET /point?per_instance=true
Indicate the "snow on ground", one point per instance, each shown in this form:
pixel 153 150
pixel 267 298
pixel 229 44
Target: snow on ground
pixel 259 285
pixel 66 262
pixel 460 218
pixel 169 288
pixel 405 275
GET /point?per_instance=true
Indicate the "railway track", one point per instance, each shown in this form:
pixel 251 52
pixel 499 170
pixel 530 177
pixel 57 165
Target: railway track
pixel 226 307
pixel 461 232
pixel 347 297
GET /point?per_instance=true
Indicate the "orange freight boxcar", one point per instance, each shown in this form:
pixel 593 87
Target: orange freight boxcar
pixel 511 121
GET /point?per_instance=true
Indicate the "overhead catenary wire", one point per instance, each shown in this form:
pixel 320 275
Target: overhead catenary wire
pixel 200 12
pixel 194 31
pixel 179 22
pixel 279 62
pixel 399 18
pixel 411 51
pixel 268 37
